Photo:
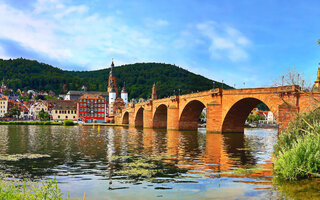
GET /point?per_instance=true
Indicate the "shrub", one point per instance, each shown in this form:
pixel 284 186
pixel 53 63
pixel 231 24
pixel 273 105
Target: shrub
pixel 68 123
pixel 15 189
pixel 301 161
pixel 297 150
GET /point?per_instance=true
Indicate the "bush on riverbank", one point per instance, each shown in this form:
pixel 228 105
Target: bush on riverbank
pixel 68 123
pixel 15 189
pixel 29 123
pixel 298 148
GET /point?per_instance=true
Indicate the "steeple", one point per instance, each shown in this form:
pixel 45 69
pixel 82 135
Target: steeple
pixel 154 92
pixel 111 73
pixel 112 82
pixel 318 74
pixel 124 88
pixel 316 85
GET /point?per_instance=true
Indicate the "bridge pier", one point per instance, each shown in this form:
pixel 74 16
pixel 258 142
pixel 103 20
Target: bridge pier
pixel 173 118
pixel 147 118
pixel 214 117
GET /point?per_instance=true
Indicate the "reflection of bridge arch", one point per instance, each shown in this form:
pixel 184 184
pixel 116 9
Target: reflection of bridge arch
pixel 190 114
pixel 238 113
pixel 125 119
pixel 160 117
pixel 139 118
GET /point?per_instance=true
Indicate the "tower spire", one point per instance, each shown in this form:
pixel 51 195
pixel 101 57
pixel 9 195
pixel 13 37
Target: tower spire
pixel 154 92
pixel 111 74
pixel 316 85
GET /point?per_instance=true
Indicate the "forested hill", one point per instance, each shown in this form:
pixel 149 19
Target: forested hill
pixel 139 78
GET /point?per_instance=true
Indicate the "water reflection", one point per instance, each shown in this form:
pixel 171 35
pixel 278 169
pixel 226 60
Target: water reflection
pixel 82 154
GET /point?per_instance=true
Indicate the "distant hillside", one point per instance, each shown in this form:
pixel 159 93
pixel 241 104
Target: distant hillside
pixel 26 74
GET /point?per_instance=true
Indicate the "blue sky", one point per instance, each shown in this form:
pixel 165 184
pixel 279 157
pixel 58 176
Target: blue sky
pixel 236 41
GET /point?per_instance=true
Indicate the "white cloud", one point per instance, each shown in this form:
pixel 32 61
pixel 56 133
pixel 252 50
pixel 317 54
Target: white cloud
pixel 74 34
pixel 156 23
pixel 3 54
pixel 225 41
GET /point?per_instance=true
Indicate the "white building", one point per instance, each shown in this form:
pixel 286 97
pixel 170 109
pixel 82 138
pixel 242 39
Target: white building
pixel 36 108
pixel 3 105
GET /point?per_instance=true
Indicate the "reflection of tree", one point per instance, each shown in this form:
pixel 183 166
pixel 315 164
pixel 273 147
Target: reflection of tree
pixel 304 189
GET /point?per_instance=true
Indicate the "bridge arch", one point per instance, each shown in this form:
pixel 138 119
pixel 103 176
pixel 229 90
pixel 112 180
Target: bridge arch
pixel 160 117
pixel 238 113
pixel 138 122
pixel 189 118
pixel 125 118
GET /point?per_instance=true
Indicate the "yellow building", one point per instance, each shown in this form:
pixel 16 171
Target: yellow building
pixel 3 105
pixel 36 108
pixel 64 110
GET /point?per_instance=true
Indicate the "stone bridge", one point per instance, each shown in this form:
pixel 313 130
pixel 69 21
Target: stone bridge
pixel 227 110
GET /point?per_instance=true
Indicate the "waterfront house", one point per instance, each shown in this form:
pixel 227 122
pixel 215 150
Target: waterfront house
pixel 3 105
pixel 64 110
pixel 92 108
pixel 36 108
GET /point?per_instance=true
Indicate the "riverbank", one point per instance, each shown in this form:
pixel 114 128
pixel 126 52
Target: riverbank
pixel 42 123
pixel 30 123
pixel 298 148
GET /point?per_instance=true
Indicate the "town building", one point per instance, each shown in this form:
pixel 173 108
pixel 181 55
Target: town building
pixel 63 110
pixel 116 103
pixel 92 108
pixel 3 105
pixel 36 108
pixel 24 110
pixel 3 87
pixel 75 95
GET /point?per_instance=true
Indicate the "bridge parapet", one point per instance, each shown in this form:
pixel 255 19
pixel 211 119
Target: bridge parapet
pixel 216 91
pixel 289 89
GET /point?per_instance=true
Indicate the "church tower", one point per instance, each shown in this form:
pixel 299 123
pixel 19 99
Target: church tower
pixel 316 85
pixel 112 83
pixel 154 92
pixel 124 94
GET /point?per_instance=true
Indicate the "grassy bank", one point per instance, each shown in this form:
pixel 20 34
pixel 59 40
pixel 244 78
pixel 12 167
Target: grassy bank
pixel 65 123
pixel 297 152
pixel 16 189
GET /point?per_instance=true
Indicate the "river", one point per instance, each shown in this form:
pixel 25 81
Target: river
pixel 130 163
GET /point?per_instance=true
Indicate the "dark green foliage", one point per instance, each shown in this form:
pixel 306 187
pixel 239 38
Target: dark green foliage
pixel 298 148
pixel 263 107
pixel 14 112
pixel 26 74
pixel 140 77
pixel 68 123
pixel 44 116
pixel 255 118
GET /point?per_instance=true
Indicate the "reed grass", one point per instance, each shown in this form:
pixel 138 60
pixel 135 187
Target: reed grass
pixel 297 152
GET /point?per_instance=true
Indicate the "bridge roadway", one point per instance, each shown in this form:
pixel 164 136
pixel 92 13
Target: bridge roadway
pixel 227 110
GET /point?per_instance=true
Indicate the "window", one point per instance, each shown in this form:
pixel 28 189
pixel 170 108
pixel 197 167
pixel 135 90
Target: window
pixel 66 116
pixel 58 116
pixel 68 111
pixel 56 112
pixel 74 117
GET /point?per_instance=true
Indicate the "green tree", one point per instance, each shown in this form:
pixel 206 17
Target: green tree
pixel 14 112
pixel 6 92
pixel 255 117
pixel 43 116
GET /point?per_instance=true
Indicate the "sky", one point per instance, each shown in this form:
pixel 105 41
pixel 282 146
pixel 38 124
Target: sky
pixel 244 43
